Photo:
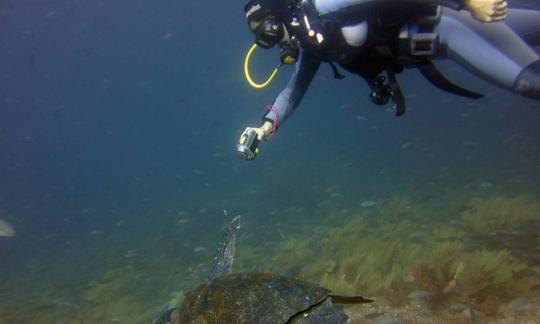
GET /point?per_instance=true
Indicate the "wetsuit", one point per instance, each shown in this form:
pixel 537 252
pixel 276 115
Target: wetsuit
pixel 497 52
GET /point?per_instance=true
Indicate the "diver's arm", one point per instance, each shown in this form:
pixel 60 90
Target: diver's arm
pixel 482 10
pixel 287 101
pixel 328 6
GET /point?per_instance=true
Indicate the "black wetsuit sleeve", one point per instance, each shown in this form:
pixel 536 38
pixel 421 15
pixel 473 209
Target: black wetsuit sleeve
pixel 287 101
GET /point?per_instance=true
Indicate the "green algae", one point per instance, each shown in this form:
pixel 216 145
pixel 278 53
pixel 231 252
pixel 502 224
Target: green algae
pixel 387 251
pixel 499 213
pixel 485 280
pixel 389 257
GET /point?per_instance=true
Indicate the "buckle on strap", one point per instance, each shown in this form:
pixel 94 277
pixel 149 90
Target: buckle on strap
pixel 422 44
pixel 418 38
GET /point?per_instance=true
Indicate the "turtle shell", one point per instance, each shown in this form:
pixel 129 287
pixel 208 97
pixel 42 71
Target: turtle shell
pixel 259 298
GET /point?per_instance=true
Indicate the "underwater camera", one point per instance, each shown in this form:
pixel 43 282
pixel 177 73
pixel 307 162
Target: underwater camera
pixel 248 148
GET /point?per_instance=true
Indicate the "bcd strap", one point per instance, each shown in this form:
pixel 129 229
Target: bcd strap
pixel 433 75
pixel 397 96
pixel 337 75
pixel 390 67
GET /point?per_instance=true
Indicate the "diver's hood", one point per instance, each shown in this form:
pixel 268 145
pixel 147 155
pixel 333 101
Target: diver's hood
pixel 257 10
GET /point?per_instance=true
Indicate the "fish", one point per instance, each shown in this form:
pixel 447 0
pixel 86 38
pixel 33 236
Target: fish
pixel 406 145
pixel 6 230
pixel 486 185
pixel 368 203
pixel 420 295
pixel 167 36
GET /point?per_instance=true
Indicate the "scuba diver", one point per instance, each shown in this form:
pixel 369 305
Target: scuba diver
pixel 377 39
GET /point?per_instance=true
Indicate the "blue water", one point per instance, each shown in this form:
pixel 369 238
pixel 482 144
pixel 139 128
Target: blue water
pixel 119 120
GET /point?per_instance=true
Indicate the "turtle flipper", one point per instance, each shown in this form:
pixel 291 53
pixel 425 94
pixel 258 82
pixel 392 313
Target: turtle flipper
pixel 321 313
pixel 223 260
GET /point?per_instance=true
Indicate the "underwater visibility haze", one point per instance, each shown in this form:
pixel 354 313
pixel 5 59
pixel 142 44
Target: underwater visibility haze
pixel 118 126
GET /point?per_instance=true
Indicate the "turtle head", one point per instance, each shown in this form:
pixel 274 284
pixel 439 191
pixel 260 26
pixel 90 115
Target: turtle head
pixel 224 258
pixel 168 317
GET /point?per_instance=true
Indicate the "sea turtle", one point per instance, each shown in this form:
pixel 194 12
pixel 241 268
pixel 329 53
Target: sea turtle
pixel 255 297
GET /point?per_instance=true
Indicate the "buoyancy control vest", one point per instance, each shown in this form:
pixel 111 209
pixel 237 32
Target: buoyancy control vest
pixel 389 47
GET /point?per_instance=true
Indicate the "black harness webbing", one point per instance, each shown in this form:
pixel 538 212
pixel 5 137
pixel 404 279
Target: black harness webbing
pixel 384 57
pixel 433 75
pixel 397 96
pixel 337 75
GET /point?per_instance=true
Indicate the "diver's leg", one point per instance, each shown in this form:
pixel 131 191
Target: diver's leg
pixel 526 23
pixel 491 50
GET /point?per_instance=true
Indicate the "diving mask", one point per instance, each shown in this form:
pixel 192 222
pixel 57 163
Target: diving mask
pixel 269 32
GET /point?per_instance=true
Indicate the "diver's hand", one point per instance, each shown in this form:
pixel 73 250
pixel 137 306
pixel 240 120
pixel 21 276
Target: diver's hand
pixel 487 10
pixel 262 132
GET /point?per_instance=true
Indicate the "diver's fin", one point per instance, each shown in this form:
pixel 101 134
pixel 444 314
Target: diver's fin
pixel 223 260
pixel 430 72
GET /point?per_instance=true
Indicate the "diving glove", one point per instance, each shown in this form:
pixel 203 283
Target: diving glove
pixel 262 132
pixel 487 10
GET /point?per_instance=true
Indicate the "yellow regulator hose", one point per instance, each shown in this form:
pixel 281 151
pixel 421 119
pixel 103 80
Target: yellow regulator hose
pixel 248 77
